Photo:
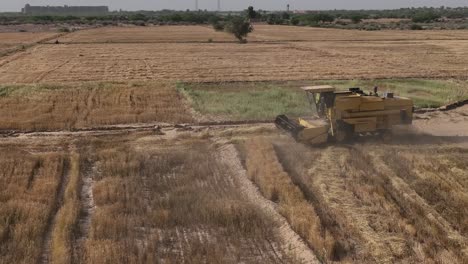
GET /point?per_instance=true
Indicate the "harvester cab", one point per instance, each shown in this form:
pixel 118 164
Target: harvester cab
pixel 338 115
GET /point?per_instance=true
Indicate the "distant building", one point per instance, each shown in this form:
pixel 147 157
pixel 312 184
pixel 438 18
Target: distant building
pixel 64 10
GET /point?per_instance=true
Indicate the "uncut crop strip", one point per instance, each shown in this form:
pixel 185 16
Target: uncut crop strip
pixel 80 106
pixel 173 205
pixel 265 171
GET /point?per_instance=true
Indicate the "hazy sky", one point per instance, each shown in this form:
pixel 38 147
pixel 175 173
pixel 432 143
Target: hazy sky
pixel 16 5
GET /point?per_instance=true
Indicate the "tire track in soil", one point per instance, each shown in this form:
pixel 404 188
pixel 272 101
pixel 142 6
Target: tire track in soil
pixel 293 243
pixel 18 52
pixel 34 173
pixel 88 207
pixel 44 74
pixel 47 240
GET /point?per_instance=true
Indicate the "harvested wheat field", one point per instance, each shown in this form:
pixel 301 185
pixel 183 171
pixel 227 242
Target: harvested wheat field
pixel 155 145
pixel 301 34
pixel 91 58
pixel 232 194
pixel 233 62
pixel 9 41
pixel 137 198
pixel 262 33
pixel 154 34
pixel 369 203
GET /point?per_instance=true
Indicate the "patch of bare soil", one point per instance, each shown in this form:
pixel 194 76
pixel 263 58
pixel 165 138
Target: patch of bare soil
pixel 88 206
pixel 444 123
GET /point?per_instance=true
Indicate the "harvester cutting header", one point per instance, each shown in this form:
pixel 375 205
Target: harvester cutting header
pixel 343 114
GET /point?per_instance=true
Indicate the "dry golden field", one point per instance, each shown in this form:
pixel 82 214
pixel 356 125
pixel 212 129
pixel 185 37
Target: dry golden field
pixel 24 37
pixel 10 41
pixel 370 203
pixel 323 56
pixel 77 106
pixel 292 33
pixel 94 169
pixel 234 62
pixel 230 195
pixel 156 34
pixel 136 198
pixel 262 33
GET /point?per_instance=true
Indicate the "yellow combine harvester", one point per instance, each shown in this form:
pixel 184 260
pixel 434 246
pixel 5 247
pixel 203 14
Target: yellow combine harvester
pixel 343 114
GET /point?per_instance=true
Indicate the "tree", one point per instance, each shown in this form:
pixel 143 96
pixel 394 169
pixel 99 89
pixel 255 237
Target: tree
pixel 274 19
pixel 357 18
pixel 324 17
pixel 239 27
pixel 425 17
pixel 251 13
pixel 218 25
pixel 416 27
pixel 294 21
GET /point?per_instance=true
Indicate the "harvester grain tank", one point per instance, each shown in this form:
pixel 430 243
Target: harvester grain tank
pixel 342 114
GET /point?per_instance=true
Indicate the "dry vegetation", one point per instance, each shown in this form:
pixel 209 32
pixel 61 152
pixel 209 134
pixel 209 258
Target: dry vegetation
pixel 161 34
pixel 264 170
pixel 77 106
pixel 186 197
pixel 413 55
pixel 67 218
pixel 174 204
pixel 156 198
pixel 396 203
pixel 10 41
pixel 28 199
pixel 152 201
pixel 262 33
pixel 293 33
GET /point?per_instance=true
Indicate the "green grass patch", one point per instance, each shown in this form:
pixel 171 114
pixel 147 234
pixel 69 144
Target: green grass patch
pixel 262 102
pixel 28 89
pixel 265 100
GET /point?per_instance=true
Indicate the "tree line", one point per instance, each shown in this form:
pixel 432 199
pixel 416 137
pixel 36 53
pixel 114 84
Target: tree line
pixel 417 15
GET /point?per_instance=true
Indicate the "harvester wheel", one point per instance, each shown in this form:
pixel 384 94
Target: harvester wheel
pixel 386 136
pixel 341 136
pixel 344 132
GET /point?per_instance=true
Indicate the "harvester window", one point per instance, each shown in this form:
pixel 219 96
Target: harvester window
pixel 324 101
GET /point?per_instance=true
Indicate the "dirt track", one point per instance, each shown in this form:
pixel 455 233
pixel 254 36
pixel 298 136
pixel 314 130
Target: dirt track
pixel 444 123
pixel 451 125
